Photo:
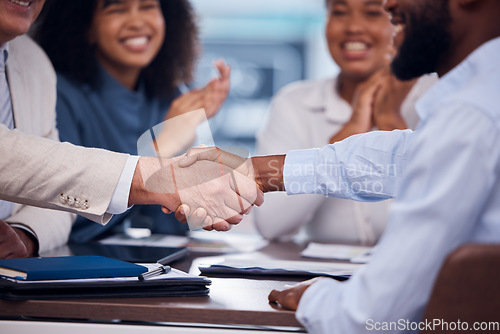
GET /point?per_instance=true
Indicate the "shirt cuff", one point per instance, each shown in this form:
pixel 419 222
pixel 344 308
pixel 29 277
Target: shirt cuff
pixel 119 201
pixel 316 304
pixel 299 172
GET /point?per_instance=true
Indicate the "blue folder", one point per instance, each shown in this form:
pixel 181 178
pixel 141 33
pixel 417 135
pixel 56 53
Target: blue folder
pixel 68 267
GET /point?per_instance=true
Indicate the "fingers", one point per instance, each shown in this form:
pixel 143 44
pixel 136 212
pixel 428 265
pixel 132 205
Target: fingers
pixel 214 154
pixel 182 213
pixel 199 153
pixel 11 245
pixel 290 297
pixel 247 189
pixel 197 219
pixel 222 225
pixel 224 70
pixel 286 298
pixel 237 203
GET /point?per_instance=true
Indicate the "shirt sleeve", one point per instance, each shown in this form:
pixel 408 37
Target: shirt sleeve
pixel 452 163
pixel 365 167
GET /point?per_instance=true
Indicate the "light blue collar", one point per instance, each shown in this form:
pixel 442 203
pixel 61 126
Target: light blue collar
pixel 482 60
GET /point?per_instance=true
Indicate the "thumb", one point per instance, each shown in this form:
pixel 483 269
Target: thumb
pixel 188 160
pixel 199 153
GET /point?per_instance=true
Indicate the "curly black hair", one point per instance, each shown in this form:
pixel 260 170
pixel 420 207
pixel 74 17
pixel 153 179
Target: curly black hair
pixel 62 31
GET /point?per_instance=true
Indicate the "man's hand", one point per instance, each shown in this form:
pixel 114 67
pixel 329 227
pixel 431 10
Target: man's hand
pixel 223 193
pixel 14 242
pixel 290 297
pixel 266 172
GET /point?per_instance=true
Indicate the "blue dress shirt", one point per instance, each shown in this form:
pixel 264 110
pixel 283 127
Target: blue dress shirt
pixel 446 184
pixel 111 117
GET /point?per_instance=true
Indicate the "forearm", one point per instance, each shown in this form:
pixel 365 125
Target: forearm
pixel 153 172
pixel 44 170
pixel 364 168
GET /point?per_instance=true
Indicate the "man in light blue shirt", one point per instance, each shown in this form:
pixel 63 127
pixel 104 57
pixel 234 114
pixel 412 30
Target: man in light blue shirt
pixel 444 176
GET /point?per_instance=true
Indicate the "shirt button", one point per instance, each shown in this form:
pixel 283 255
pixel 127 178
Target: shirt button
pixel 71 201
pixel 63 199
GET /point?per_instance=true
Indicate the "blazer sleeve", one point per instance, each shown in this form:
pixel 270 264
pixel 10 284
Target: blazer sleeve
pixel 50 227
pixel 45 173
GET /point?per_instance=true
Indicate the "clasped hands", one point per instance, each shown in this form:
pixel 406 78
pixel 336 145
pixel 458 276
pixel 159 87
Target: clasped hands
pixel 207 187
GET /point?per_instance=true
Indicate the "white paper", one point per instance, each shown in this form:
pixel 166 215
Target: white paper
pixel 356 254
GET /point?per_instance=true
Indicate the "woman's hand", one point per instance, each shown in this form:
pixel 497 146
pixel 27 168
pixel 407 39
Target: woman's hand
pixel 211 97
pixel 362 107
pixel 388 101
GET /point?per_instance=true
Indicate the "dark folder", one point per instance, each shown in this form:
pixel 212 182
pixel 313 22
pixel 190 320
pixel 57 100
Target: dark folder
pixel 123 283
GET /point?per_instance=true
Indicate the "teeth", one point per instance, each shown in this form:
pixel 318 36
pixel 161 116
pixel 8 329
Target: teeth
pixel 136 41
pixel 21 3
pixel 355 46
pixel 399 28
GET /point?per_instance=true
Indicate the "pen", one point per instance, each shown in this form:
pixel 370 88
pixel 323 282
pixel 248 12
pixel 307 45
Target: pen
pixel 162 269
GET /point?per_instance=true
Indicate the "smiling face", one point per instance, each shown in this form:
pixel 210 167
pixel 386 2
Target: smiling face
pixel 17 16
pixel 359 35
pixel 422 36
pixel 127 34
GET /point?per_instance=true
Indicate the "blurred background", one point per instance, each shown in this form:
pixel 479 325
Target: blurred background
pixel 269 44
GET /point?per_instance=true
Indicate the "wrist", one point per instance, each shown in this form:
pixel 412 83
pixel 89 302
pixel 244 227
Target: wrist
pixel 152 183
pixel 268 172
pixel 360 125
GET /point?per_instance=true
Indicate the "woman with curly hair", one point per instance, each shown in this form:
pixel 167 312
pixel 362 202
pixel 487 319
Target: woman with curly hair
pixel 120 64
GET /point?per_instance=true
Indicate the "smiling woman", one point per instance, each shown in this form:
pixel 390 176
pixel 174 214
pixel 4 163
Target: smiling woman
pixel 364 96
pixel 127 36
pixel 120 64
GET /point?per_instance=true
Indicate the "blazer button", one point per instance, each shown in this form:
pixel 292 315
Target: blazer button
pixel 78 203
pixel 71 201
pixel 85 205
pixel 63 199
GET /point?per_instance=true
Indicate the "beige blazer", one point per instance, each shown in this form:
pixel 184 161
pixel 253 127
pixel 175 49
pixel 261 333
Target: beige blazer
pixel 42 172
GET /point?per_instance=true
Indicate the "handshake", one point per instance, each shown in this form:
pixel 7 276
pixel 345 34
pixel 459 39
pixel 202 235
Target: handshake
pixel 206 187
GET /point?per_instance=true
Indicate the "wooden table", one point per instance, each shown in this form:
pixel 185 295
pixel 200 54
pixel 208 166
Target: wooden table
pixel 232 301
